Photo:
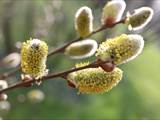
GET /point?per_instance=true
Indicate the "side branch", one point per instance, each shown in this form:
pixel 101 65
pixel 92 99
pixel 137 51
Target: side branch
pixel 62 49
pixel 63 74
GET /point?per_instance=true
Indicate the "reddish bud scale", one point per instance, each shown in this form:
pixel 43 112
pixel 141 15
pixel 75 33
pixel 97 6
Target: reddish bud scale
pixel 71 84
pixel 109 22
pixel 108 67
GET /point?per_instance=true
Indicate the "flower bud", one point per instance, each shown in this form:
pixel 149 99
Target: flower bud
pixel 3 97
pixel 112 12
pixel 121 49
pixel 5 106
pixel 12 60
pixel 3 84
pixel 33 58
pixel 140 18
pixel 81 49
pixel 95 80
pixel 35 96
pixel 84 21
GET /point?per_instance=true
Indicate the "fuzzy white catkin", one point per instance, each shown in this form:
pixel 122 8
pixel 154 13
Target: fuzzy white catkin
pixel 35 96
pixel 81 49
pixel 84 21
pixel 3 84
pixel 5 106
pixel 140 18
pixel 12 60
pixel 112 12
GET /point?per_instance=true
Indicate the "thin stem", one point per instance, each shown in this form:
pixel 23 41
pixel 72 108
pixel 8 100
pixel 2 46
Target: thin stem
pixel 62 49
pixel 63 74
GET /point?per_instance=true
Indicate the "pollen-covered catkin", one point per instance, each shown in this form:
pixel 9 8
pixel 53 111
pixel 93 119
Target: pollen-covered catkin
pixel 84 21
pixel 121 49
pixel 95 80
pixel 33 58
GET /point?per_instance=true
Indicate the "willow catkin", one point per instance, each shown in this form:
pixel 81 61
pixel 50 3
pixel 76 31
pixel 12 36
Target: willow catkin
pixel 33 58
pixel 95 80
pixel 112 12
pixel 35 96
pixel 81 49
pixel 140 18
pixel 3 84
pixel 121 49
pixel 84 21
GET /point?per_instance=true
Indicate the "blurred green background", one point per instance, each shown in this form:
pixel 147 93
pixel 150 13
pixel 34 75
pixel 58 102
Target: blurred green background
pixel 137 96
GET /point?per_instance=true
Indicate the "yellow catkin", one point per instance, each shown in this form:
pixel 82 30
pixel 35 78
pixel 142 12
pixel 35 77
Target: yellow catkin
pixel 121 49
pixel 95 80
pixel 84 21
pixel 33 58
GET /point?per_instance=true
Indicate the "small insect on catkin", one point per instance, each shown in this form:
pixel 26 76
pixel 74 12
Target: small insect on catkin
pixel 84 21
pixel 33 58
pixel 112 12
pixel 121 49
pixel 81 49
pixel 95 80
pixel 140 18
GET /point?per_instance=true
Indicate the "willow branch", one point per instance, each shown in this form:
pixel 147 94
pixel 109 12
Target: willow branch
pixel 22 83
pixel 62 48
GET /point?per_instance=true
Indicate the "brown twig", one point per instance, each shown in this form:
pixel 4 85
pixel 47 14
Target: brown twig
pixel 62 49
pixel 63 74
